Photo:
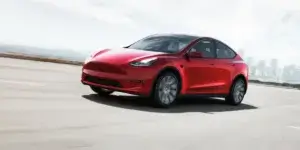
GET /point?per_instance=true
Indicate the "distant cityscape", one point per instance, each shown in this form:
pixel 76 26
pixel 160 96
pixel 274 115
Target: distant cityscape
pixel 270 71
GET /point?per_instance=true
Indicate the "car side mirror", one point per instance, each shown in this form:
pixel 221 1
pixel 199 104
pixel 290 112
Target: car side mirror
pixel 195 54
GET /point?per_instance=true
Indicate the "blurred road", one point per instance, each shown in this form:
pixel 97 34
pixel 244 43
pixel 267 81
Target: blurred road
pixel 43 106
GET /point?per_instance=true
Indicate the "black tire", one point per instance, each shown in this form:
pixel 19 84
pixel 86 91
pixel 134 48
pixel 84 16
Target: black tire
pixel 101 91
pixel 164 93
pixel 237 92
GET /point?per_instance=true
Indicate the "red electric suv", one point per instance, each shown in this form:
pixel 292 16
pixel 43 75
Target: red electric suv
pixel 168 65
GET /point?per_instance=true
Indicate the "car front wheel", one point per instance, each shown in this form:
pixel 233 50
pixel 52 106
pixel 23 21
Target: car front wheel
pixel 101 91
pixel 237 93
pixel 166 90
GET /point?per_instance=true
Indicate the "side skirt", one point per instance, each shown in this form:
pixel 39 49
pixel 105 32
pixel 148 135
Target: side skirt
pixel 203 95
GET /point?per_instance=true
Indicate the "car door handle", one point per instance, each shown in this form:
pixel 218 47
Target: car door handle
pixel 211 64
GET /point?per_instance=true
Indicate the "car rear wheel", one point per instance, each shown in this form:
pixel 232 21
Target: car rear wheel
pixel 237 93
pixel 166 90
pixel 101 91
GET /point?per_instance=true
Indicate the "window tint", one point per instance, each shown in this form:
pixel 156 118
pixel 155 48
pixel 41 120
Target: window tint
pixel 205 47
pixel 167 43
pixel 224 51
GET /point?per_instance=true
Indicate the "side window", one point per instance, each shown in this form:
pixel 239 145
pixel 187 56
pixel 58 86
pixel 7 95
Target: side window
pixel 205 47
pixel 224 51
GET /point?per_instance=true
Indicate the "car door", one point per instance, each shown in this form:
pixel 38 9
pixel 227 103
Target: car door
pixel 200 70
pixel 225 67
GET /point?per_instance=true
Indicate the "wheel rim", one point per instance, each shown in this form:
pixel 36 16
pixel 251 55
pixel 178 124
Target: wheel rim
pixel 239 91
pixel 167 89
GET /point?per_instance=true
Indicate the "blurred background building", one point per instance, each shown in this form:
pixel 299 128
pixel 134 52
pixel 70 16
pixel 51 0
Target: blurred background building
pixel 270 70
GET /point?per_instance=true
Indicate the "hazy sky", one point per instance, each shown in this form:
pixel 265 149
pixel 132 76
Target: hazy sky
pixel 262 28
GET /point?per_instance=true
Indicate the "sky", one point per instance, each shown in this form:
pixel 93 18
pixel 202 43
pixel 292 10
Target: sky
pixel 263 29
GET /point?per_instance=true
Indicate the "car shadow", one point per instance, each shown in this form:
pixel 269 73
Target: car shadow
pixel 184 104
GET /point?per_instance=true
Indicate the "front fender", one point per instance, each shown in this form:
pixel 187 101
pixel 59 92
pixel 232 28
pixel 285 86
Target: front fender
pixel 179 70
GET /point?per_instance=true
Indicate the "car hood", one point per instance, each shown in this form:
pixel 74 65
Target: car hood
pixel 123 55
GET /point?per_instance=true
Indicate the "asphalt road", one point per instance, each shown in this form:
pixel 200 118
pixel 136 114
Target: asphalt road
pixel 43 106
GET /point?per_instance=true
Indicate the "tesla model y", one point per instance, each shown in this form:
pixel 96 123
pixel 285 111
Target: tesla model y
pixel 166 66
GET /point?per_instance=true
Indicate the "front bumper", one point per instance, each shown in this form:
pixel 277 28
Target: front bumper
pixel 134 83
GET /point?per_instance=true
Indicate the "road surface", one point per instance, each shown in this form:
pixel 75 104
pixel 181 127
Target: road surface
pixel 43 106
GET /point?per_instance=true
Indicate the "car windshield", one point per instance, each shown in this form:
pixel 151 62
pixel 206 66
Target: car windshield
pixel 165 43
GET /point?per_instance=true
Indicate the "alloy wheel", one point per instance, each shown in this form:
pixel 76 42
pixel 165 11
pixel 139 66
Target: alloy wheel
pixel 167 89
pixel 239 91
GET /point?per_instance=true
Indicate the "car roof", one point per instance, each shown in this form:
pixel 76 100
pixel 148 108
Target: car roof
pixel 182 35
pixel 176 35
pixel 190 36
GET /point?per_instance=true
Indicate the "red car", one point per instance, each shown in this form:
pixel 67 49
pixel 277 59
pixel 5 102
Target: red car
pixel 168 65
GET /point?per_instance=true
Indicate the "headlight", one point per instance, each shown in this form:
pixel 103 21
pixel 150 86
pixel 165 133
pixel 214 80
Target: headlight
pixel 144 62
